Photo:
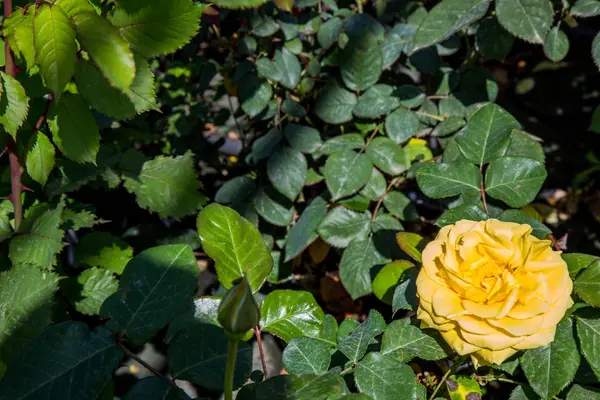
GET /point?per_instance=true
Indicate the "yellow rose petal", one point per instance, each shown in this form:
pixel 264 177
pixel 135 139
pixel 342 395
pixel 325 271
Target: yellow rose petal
pixel 532 308
pixel 487 357
pixel 494 341
pixel 519 327
pixel 482 310
pixel 458 344
pixel 538 339
pixel 446 303
pixel 475 325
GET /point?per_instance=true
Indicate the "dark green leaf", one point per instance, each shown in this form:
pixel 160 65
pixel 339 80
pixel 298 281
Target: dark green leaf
pixel 587 284
pixel 540 230
pixel 464 211
pixel 387 155
pixel 449 179
pixel 387 279
pixel 362 63
pixel 355 345
pixel 255 95
pixel 301 387
pixel 364 25
pixel 410 96
pixel 514 180
pixel 303 233
pixel 292 108
pixel 585 8
pixel 588 331
pixel 346 173
pixel 304 355
pixel 405 342
pixel 375 102
pixel 529 20
pixel 287 171
pixel 236 189
pixel 577 262
pixel 335 104
pixel 267 69
pixel 289 67
pixel 154 388
pixel 204 310
pixel 375 187
pixel 290 314
pixel 303 138
pixel 385 222
pixel 401 125
pixel 524 145
pixel 342 225
pixel 348 141
pixel 405 295
pixel 266 145
pixel 580 393
pixel 273 207
pixel 329 32
pixel 556 44
pixel 492 40
pixel 385 378
pixel 101 249
pixel 355 266
pixel 400 206
pixel 262 24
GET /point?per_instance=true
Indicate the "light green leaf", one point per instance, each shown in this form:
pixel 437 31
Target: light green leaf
pixel 355 266
pixel 529 20
pixel 447 17
pixel 401 125
pixel 167 186
pixel 355 345
pixel 346 172
pixel 585 8
pixel 106 47
pixel 303 233
pixel 156 284
pixel 329 32
pixel 449 179
pixel 514 180
pixel 405 342
pixel 64 353
pixel 304 355
pixel 239 4
pixel 289 67
pixel 492 40
pixel 556 45
pixel 342 225
pixel 375 187
pixel 464 211
pixel 235 245
pixel 101 249
pixel 387 279
pixel 38 238
pixel 74 128
pixel 273 207
pixel 335 104
pixel 75 7
pixel 588 331
pixel 384 378
pixel 40 158
pixel 26 295
pixel 88 291
pixel 587 284
pixel 157 28
pixel 287 171
pixel 362 63
pixel 387 155
pixel 487 134
pixel 18 29
pixel 375 102
pixel 412 244
pixel 580 393
pixel 290 314
pixel 550 368
pixel 14 104
pixel 540 230
pixel 199 354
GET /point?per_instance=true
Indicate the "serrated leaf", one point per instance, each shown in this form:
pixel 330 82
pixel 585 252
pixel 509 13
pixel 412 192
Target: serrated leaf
pixel 303 233
pixel 14 104
pixel 106 47
pixel 38 238
pixel 522 144
pixel 166 186
pixel 304 355
pixel 447 17
pixel 75 7
pixel 487 134
pixel 587 284
pixel 287 171
pixel 26 295
pixel 273 207
pixel 550 368
pixel 154 388
pixel 588 331
pixel 556 44
pixel 375 102
pixel 346 172
pixel 362 63
pixel 387 155
pixel 303 138
pixel 40 158
pixel 289 314
pixel 492 40
pixel 18 29
pixel 55 47
pixel 540 230
pixel 342 225
pixel 329 32
pixel 101 249
pixel 335 104
pixel 578 392
pixel 405 342
pixel 384 378
pixel 299 387
pixel 401 125
pixel 153 29
pixel 199 354
pixel 514 180
pixel 355 266
pixel 354 346
pixel 464 211
pixel 577 262
pixel 88 291
pixel 235 245
pixel 74 128
pixel 449 179
pixel 289 67
pixel 204 310
pixel 63 353
pixel 156 284
pixel 405 294
pixel 585 8
pixel 529 20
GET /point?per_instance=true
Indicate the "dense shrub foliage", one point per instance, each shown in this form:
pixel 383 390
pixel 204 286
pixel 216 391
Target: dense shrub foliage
pixel 303 154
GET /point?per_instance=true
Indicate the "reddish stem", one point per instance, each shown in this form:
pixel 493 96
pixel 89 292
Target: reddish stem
pixel 258 333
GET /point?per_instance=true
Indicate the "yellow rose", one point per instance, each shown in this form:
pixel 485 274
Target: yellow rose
pixel 492 289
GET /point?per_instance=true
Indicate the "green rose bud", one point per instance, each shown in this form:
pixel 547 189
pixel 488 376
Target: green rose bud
pixel 238 311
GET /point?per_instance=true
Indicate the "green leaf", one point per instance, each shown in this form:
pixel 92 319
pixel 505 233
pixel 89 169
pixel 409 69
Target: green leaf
pixel 75 7
pixel 303 233
pixel 346 173
pixel 26 295
pixel 40 158
pixel 464 211
pixel 492 40
pixel 235 245
pixel 199 354
pixel 38 238
pixel 255 95
pixel 410 96
pixel 446 18
pixel 588 331
pixel 167 186
pixel 580 393
pixel 262 25
pixel 577 262
pixel 514 180
pixel 90 289
pixel 18 29
pixel 289 67
pixel 299 387
pixel 540 230
pixel 329 32
pixel 384 378
pixel 400 206
pixel 585 8
pixel 106 47
pixel 154 388
pixel 342 225
pixel 304 355
pixel 449 179
pixel 362 63
pixel 529 20
pixel 387 280
pixel 405 342
pixel 596 50
pixel 273 207
pixel 355 266
pixel 462 387
pixel 292 108
pixel 101 249
pixel 236 189
pixel 375 102
pixel 355 345
pixel 266 145
pixel 303 138
pixel 204 310
pixel 385 222
pixel 157 28
pixel 287 171
pixel 364 25
pixel 55 47
pixel 290 314
pixel 550 368
pixel 375 187
pixel 74 128
pixel 335 104
pixel 156 284
pixel 348 141
pixel 556 44
pixel 14 104
pixel 587 284
pixel 412 244
pixel 524 145
pixel 401 125
pixel 405 295
pixel 64 353
pixel 523 392
pixel 387 155
pixel 487 134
